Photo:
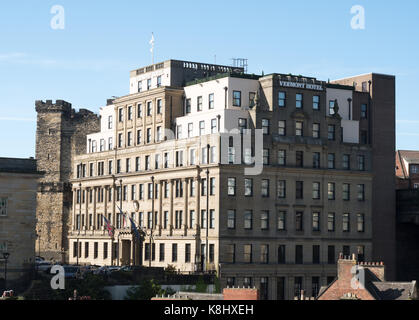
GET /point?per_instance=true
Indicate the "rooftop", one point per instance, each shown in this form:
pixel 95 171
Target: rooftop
pixel 14 165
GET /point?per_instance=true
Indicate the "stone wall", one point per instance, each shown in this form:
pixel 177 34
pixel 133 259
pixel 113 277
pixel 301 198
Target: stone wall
pixel 61 134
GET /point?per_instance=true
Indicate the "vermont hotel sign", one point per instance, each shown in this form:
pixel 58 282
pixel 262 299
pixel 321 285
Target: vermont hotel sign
pixel 301 85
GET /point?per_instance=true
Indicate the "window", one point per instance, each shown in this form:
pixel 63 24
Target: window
pixel 204 187
pixel 159 106
pixel 264 253
pixel 282 128
pixel 3 207
pixel 94 146
pixel 158 81
pixel 316 130
pixel 252 96
pixel 331 255
pixel 157 161
pixel 192 188
pixel 147 163
pixel 281 221
pixel 179 132
pixel 361 253
pixel 149 108
pixel 361 192
pixel 192 219
pixel 231 186
pixel 316 160
pixel 331 191
pixel 148 135
pixel 282 158
pixel 298 254
pixel 242 125
pixel 364 111
pixel 265 126
pixel 282 189
pixel 299 226
pixel 346 192
pixel 192 157
pixel 331 161
pixel 105 251
pixel 110 122
pixel 202 128
pixel 346 162
pixel 86 249
pixel 299 128
pixel 120 140
pixel 316 254
pixel 161 252
pixel 129 142
pixel 237 98
pixel 248 187
pixel 121 115
pixel 199 103
pixel 174 252
pixel 264 220
pixel 158 134
pixel 346 223
pixel 231 219
pixel 140 86
pixel 110 143
pixel 299 187
pixel 248 219
pixel 187 253
pixel 361 222
pixel 188 107
pixel 179 158
pixel 231 253
pixel 331 222
pixel 213 125
pixel 316 102
pixel 118 166
pixel 247 253
pixel 265 188
pixel 211 101
pixel 139 110
pixel 331 107
pixel 316 221
pixel 331 132
pixel 299 101
pixel 316 190
pixel 148 84
pixel 266 157
pixel 110 167
pixel 282 99
pixel 364 137
pixel 361 163
pixel 130 113
pixel 166 220
pixel 281 254
pixel 166 160
pixel 299 159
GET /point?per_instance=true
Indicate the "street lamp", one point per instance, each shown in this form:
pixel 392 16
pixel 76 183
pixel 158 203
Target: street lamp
pixel 6 256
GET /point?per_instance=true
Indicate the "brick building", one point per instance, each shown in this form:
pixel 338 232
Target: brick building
pixel 325 171
pixel 407 190
pixel 366 281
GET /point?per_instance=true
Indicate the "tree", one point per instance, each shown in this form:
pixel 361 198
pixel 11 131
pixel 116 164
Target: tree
pixel 145 291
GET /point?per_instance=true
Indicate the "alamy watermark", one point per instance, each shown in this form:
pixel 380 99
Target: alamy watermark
pixel 58 281
pixel 358 19
pixel 58 20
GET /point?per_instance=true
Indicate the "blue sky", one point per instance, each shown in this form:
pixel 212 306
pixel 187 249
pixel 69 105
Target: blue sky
pixel 89 61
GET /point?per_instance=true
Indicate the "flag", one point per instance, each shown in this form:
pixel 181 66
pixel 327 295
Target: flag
pixel 134 229
pixel 108 227
pixel 152 42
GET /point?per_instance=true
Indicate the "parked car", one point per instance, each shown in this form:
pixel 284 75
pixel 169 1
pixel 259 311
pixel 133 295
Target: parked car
pixel 114 268
pixel 39 260
pixel 102 270
pixel 43 266
pixel 71 272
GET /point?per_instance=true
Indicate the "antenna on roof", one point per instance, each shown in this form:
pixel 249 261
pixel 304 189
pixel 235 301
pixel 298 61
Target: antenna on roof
pixel 240 63
pixel 152 47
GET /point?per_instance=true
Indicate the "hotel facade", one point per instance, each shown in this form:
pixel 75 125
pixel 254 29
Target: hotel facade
pixel 174 156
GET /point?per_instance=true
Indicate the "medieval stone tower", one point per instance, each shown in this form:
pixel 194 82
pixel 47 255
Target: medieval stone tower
pixel 60 135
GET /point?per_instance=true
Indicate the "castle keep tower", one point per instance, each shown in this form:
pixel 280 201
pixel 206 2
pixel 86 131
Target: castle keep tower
pixel 60 135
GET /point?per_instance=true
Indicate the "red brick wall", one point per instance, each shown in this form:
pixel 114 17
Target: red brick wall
pixel 241 294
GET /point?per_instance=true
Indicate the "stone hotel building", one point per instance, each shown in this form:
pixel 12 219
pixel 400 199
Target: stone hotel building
pixel 172 155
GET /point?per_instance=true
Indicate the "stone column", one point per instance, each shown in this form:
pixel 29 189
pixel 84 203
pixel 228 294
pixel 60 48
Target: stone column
pixel 74 209
pixel 95 194
pixel 160 214
pixel 185 207
pixel 171 207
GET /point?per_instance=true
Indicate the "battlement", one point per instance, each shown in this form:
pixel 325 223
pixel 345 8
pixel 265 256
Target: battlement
pixel 49 106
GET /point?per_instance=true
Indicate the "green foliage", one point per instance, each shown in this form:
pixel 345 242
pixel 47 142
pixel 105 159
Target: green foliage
pixel 171 269
pixel 201 286
pixel 217 285
pixel 145 291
